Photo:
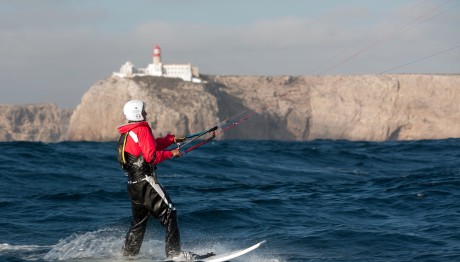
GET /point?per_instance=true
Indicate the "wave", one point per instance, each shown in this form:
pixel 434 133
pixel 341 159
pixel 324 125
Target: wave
pixel 24 252
pixel 97 244
pixel 317 201
pixel 105 245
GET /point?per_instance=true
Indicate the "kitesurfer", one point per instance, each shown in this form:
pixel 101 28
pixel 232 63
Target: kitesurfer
pixel 138 153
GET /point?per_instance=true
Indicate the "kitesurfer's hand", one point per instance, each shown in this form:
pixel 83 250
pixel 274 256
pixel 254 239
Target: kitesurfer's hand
pixel 179 139
pixel 176 152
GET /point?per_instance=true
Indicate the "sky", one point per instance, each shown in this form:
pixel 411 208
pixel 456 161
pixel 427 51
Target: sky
pixel 53 51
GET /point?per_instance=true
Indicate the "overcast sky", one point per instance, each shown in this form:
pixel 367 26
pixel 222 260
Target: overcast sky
pixel 55 50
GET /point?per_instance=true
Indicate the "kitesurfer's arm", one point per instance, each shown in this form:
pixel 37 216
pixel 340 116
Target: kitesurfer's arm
pixel 146 143
pixel 164 142
pixel 150 151
pixel 162 156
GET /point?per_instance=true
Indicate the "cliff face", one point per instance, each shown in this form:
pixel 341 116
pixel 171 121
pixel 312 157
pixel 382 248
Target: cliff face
pixel 365 107
pixel 39 122
pixel 369 107
pixel 173 106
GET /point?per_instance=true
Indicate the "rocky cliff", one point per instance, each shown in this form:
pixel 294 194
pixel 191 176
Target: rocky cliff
pixel 173 106
pixel 39 122
pixel 369 107
pixel 365 107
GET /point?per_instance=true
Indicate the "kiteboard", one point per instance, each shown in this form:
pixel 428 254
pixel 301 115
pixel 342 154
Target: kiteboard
pixel 232 255
pixel 229 255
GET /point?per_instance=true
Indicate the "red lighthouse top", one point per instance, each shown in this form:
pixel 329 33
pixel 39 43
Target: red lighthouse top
pixel 156 55
pixel 156 50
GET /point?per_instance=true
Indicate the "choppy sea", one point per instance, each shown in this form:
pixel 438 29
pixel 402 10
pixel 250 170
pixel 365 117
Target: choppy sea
pixel 312 201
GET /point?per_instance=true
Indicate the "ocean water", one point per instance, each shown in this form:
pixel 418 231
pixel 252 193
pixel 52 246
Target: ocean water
pixel 311 201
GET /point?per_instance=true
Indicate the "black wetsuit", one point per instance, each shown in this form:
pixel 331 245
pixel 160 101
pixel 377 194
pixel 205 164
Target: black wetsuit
pixel 148 197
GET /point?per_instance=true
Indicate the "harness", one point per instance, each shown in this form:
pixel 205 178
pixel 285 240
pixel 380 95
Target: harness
pixel 121 149
pixel 135 166
pixel 122 145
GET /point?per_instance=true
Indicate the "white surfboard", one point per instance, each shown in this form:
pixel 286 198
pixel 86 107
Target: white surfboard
pixel 231 255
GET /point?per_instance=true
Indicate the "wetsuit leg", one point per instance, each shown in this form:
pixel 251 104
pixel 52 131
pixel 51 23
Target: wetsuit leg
pixel 135 235
pixel 172 237
pixel 164 211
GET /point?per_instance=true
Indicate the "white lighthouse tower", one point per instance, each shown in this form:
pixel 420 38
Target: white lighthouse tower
pixel 155 69
pixel 157 55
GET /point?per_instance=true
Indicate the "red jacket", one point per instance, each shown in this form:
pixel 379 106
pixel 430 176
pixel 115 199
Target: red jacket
pixel 151 148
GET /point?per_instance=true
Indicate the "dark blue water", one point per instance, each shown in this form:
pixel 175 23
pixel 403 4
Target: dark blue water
pixel 311 201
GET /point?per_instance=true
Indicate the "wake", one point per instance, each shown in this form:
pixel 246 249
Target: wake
pixel 105 245
pixel 102 243
pixel 25 252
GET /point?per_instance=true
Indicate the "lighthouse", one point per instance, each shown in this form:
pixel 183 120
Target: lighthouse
pixel 183 71
pixel 156 55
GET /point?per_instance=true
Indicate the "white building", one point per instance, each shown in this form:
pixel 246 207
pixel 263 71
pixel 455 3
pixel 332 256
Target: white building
pixel 184 71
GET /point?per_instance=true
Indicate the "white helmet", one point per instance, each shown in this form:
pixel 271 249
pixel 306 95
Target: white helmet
pixel 133 110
